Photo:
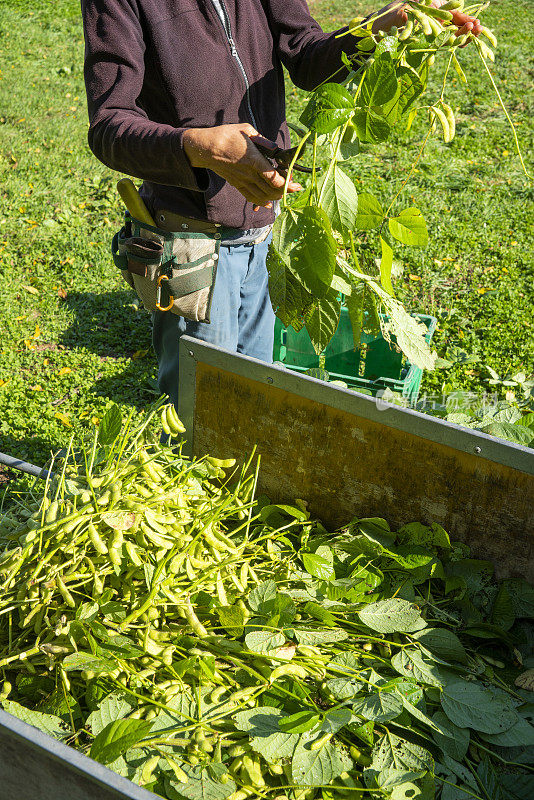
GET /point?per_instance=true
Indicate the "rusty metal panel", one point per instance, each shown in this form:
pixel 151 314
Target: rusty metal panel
pixel 343 455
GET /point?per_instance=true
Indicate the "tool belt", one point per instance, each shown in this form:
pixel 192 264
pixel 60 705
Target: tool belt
pixel 172 267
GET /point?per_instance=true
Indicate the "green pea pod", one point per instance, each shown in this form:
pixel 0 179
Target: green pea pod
pixel 490 36
pixel 321 741
pixel 131 549
pixel 438 13
pixel 193 620
pixel 64 592
pixel 436 27
pixel 175 423
pixel 165 421
pixel 359 757
pixel 288 671
pixel 96 540
pixel 453 5
pixel 406 32
pixel 449 113
pixel 440 115
pixel 423 21
pixel 485 51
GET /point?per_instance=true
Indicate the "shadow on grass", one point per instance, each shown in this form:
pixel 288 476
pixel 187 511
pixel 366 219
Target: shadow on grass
pixel 111 325
pixel 107 323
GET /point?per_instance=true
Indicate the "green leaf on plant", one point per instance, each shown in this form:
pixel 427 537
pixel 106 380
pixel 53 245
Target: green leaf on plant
pixel 317 767
pixel 117 737
pixel 300 722
pixel 409 227
pixel 50 724
pixel 339 199
pixel 483 708
pixel 370 212
pixel 322 320
pixel 110 426
pixel 391 616
pixel 380 82
pixel 370 127
pixel 329 107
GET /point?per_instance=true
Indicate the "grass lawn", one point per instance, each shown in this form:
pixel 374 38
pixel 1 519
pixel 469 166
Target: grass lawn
pixel 72 336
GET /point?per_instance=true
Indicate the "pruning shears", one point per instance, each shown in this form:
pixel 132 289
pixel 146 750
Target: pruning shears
pixel 281 157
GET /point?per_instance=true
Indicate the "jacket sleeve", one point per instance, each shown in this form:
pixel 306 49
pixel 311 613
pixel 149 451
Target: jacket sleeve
pixel 310 55
pixel 120 133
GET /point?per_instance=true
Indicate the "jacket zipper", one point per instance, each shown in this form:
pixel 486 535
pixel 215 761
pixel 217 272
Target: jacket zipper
pixel 222 14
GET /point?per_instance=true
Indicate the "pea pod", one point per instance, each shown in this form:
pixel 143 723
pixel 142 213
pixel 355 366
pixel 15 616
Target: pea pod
pixel 438 13
pixel 96 540
pixel 288 671
pixel 440 115
pixel 406 32
pixel 175 423
pixel 490 36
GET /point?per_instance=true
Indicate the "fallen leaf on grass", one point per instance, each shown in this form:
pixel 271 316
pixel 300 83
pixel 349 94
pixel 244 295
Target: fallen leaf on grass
pixel 140 353
pixel 63 418
pixel 4 383
pixel 30 289
pixel 64 371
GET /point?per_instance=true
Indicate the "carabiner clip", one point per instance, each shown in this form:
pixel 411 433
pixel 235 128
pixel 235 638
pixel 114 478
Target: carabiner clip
pixel 158 295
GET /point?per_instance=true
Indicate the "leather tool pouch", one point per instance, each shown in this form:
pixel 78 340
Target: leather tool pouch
pixel 170 271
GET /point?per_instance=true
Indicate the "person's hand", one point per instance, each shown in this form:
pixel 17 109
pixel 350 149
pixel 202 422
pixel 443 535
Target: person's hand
pixel 395 14
pixel 228 151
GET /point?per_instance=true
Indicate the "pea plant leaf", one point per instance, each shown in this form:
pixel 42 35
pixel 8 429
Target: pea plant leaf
pixel 317 767
pixel 370 126
pixel 392 752
pixel 483 708
pixel 110 426
pixel 454 741
pixel 320 565
pixel 323 319
pixel 117 737
pixel 519 735
pixel 303 240
pixel 379 706
pixel 339 199
pixel 266 737
pixel 409 227
pixel 412 663
pixel 113 706
pixel 290 300
pixel 443 642
pixel 380 84
pixel 408 332
pixel 320 636
pixel 48 723
pixel 391 616
pixel 329 107
pixel 204 783
pixel 370 212
pixel 264 641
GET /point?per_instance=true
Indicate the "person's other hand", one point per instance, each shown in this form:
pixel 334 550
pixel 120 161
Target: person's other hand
pixel 395 14
pixel 228 151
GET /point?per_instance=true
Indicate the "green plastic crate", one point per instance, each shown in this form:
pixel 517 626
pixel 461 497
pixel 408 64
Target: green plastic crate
pixel 375 366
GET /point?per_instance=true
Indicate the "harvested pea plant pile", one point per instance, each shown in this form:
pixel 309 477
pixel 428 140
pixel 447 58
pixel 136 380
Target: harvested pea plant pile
pixel 207 644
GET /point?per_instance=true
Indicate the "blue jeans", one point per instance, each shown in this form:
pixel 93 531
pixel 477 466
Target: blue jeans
pixel 242 318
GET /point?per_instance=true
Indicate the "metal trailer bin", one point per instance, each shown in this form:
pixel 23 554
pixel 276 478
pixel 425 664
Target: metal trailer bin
pixel 346 454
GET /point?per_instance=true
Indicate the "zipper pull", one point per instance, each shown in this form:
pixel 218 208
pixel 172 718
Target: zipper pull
pixel 233 48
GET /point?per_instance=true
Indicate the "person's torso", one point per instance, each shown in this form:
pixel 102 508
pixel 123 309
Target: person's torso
pixel 208 63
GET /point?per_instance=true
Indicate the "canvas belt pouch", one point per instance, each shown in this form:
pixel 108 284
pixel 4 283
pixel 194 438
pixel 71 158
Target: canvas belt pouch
pixel 173 266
